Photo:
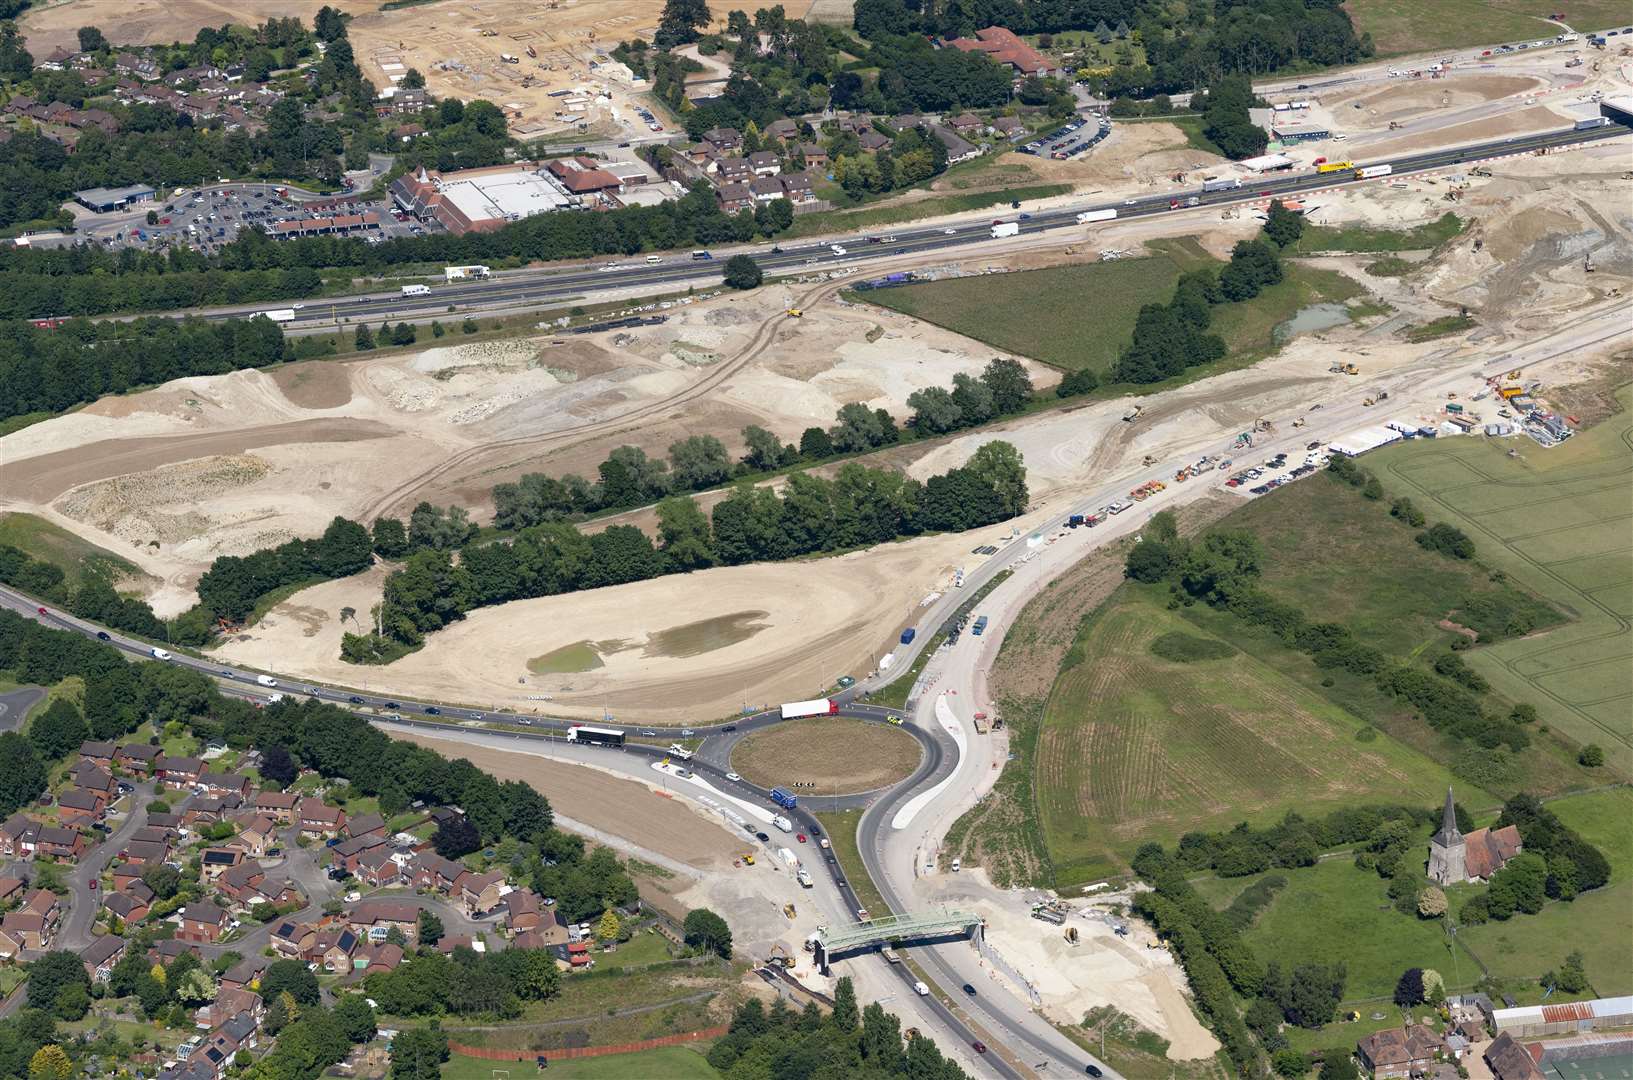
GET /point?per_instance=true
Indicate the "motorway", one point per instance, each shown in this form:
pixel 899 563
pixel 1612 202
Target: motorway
pixel 532 287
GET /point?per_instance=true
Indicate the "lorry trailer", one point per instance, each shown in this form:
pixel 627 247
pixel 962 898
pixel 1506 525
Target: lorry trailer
pixel 280 315
pixel 1334 166
pixel 1221 183
pixel 599 736
pixel 1370 171
pixel 1095 215
pixel 464 273
pixel 677 750
pixel 1005 228
pixel 793 710
pixel 416 290
pixel 908 635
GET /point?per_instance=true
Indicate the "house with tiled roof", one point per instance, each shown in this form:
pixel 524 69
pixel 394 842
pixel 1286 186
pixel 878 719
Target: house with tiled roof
pixel 220 784
pixel 319 819
pixel 365 825
pixel 136 757
pixel 1400 1052
pixel 1510 1059
pixel 432 871
pixel 60 843
pixel 101 955
pixel 91 751
pixel 224 1042
pixel 178 772
pixel 95 778
pixel 375 918
pixel 202 920
pixel 127 905
pixel 280 804
pixel 1005 48
pixel 79 806
pixel 481 893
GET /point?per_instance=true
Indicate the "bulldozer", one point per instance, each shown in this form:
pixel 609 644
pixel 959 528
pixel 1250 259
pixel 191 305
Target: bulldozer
pixel 795 313
pixel 1299 422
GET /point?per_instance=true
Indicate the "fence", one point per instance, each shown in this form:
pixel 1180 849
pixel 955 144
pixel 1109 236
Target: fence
pixel 490 1054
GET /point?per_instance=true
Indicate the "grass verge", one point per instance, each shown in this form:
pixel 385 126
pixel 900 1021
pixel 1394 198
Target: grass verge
pixel 75 557
pixel 841 829
pixel 827 221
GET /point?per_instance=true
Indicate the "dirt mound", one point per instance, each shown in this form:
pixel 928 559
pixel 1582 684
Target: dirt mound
pixel 317 384
pixel 161 503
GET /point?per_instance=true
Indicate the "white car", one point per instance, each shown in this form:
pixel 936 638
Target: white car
pixel 353 897
pixel 837 249
pixel 949 232
pixel 734 778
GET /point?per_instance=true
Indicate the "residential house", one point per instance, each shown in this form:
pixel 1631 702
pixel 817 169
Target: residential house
pixel 366 825
pixel 1008 126
pixel 170 823
pixel 293 940
pixel 224 1042
pixel 146 853
pixel 523 911
pixel 101 955
pixel 381 956
pixel 575 954
pixel 1399 1052
pixel 481 893
pixel 334 948
pixel 246 971
pixel 403 101
pixel 449 942
pixel 135 757
pixel 19 836
pixel 799 188
pixel 766 188
pixel 229 1003
pixel 178 772
pixel 432 871
pixel 551 932
pixel 375 918
pixel 906 122
pixel 377 868
pixel 57 59
pixel 854 124
pixel 815 157
pixel 735 197
pixel 79 806
pixel 128 905
pixel 764 163
pixel 32 926
pixel 964 123
pixel 223 784
pixel 782 129
pixel 100 754
pixel 97 118
pixel 216 861
pixel 280 804
pixel 348 853
pixel 1508 1059
pixel 202 920
pixel 60 843
pixel 11 888
pixel 94 778
pixel 240 881
pixel 872 140
pixel 733 170
pixel 166 952
pixel 318 819
pixel 958 148
pixel 142 67
pixel 256 835
pixel 724 140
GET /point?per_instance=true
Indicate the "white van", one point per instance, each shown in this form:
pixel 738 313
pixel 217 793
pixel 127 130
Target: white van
pixel 162 654
pixel 921 990
pixel 957 865
pixel 266 680
pixel 652 260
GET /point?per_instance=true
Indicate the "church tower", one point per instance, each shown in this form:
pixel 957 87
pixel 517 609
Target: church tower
pixel 1448 851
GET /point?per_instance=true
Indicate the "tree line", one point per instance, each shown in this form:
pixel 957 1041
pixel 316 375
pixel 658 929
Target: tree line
pixel 233 584
pixel 629 478
pixel 45 370
pixel 94 598
pixel 860 506
pixel 865 1044
pixel 1169 338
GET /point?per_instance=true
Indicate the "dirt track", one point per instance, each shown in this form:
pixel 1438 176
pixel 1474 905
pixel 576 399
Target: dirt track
pixel 41 479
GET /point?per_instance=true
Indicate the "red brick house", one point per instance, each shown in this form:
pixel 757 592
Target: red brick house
pixel 79 806
pixel 378 868
pixel 1399 1052
pixel 94 778
pixel 202 920
pixel 178 772
pixel 136 757
pixel 101 955
pixel 91 751
pixel 225 784
pixel 280 804
pixel 60 843
pixel 375 918
pixel 480 893
pixel 318 819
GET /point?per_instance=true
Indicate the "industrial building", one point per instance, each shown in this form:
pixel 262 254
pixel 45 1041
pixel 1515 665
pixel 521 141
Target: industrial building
pixel 106 200
pixel 481 200
pixel 1289 135
pixel 1575 1017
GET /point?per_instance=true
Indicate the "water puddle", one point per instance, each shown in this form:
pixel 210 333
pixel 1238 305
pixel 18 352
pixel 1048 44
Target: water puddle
pixel 706 635
pixel 579 656
pixel 1314 317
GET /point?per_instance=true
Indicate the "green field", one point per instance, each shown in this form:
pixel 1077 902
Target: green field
pixel 1558 521
pixel 1597 924
pixel 1136 748
pixel 1602 818
pixel 664 1063
pixel 1023 312
pixel 1403 26
pixel 56 545
pixel 1332 911
pixel 1364 238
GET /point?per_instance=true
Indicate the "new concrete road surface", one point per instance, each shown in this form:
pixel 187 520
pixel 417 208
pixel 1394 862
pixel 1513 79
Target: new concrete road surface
pixel 521 290
pixel 894 844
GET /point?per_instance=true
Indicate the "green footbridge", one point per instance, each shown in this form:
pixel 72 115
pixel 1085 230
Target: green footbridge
pixel 892 928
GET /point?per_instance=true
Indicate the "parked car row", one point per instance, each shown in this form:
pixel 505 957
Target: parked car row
pixel 1071 139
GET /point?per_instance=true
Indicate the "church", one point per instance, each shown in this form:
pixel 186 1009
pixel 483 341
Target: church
pixel 1454 857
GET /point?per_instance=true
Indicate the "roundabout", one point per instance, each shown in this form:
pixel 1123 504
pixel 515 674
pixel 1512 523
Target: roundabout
pixel 828 755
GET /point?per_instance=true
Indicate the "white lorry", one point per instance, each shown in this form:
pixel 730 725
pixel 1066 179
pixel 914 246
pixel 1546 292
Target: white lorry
pixel 464 273
pixel 416 290
pixel 1006 228
pixel 280 315
pixel 1095 215
pixel 161 654
pixel 783 823
pixel 787 855
pixel 677 750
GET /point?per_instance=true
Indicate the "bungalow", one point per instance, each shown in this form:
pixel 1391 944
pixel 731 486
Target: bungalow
pixel 958 149
pixel 375 918
pixel 222 784
pixel 101 955
pixel 178 772
pixel 60 843
pixel 202 920
pixel 366 825
pixel 1007 125
pixel 280 804
pixel 79 806
pixel 481 893
pixel 293 940
pixel 20 103
pixel 1399 1052
pixel 906 122
pixel 764 163
pixel 449 942
pixel 872 140
pixel 735 197
pixel 91 751
pixel 127 905
pixel 318 819
pixel 135 757
pixel 216 861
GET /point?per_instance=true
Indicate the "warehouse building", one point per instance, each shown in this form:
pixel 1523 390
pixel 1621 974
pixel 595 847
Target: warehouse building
pixel 1530 1021
pixel 481 200
pixel 106 200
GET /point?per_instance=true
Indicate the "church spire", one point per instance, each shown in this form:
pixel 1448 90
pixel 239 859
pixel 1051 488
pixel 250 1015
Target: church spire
pixel 1448 833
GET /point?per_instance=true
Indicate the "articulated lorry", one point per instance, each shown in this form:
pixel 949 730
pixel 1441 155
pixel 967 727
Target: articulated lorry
pixel 1221 183
pixel 464 273
pixel 1095 215
pixel 793 710
pixel 280 315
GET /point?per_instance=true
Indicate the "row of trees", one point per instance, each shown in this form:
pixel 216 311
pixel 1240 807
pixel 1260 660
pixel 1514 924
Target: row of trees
pixel 629 478
pixel 1169 338
pixel 93 598
pixel 860 506
pixel 43 370
pixel 466 983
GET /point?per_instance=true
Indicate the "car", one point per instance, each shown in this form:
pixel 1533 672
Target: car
pixel 227 672
pixel 525 722
pixel 649 733
pixel 729 728
pixel 815 831
pixel 762 838
pixel 103 635
pixel 949 232
pixel 1093 1070
pixel 687 732
pixel 392 705
pixel 734 778
pixel 355 700
pixel 94 883
pixel 432 710
pixel 968 989
pixel 353 897
pixel 978 1046
pixel 800 837
pixel 41 610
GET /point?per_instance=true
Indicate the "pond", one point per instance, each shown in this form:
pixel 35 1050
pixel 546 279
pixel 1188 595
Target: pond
pixel 1307 319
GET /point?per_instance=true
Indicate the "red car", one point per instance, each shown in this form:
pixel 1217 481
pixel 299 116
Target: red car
pixel 800 837
pixel 42 611
pixel 979 1047
pixel 93 883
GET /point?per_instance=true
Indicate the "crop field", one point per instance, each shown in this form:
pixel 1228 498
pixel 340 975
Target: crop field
pixel 53 544
pixel 1021 312
pixel 1136 748
pixel 1559 522
pixel 1403 26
